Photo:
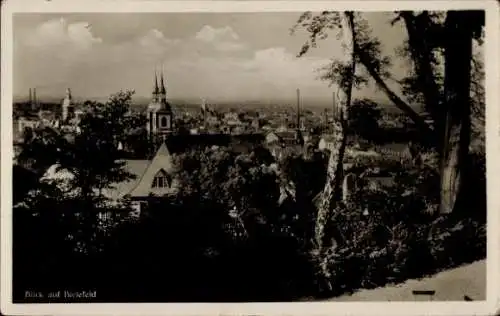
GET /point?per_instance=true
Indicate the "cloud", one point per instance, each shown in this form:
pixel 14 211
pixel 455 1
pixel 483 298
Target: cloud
pixel 277 63
pixel 223 39
pixel 155 38
pixel 211 34
pixel 213 63
pixel 230 47
pixel 57 33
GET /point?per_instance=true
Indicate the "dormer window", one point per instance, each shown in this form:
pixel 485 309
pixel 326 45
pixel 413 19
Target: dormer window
pixel 161 180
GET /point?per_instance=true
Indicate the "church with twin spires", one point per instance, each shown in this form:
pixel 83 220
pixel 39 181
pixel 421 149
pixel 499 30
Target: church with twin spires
pixel 159 112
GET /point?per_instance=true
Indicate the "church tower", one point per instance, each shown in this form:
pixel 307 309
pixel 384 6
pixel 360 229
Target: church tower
pixel 159 112
pixel 67 106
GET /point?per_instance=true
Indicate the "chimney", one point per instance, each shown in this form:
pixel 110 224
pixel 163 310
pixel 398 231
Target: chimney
pixel 326 119
pixel 334 106
pixel 298 108
pixel 30 101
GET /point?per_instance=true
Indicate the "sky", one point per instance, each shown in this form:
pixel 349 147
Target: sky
pixel 216 56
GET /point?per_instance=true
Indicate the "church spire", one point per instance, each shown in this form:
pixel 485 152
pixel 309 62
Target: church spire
pixel 156 90
pixel 162 88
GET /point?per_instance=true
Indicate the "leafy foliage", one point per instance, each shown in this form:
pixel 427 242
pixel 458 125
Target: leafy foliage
pixel 363 117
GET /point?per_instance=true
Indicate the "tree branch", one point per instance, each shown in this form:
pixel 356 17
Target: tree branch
pixel 398 102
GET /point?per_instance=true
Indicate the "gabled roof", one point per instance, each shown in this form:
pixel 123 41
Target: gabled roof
pixel 136 167
pixel 115 192
pixel 161 160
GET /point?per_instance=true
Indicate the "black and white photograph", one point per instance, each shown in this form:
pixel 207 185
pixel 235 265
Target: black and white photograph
pixel 302 154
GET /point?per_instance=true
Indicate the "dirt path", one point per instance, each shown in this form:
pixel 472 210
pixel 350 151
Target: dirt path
pixel 449 285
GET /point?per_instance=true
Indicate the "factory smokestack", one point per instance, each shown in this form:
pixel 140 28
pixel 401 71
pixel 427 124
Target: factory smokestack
pixel 298 108
pixel 334 105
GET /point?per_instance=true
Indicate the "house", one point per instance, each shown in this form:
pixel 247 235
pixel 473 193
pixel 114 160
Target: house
pixel 282 144
pixel 326 142
pixel 155 177
pixel 255 123
pixel 290 137
pixel 26 122
pixel 231 116
pixel 282 128
pixel 272 138
pixel 212 120
pixel 376 183
pixel 395 151
pixel 281 152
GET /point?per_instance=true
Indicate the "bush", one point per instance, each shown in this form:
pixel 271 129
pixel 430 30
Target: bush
pixel 402 237
pixel 190 248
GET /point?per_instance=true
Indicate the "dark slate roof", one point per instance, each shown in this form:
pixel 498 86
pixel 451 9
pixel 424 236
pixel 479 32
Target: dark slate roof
pixel 286 135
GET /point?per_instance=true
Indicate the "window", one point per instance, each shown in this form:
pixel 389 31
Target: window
pixel 163 121
pixel 104 216
pixel 161 180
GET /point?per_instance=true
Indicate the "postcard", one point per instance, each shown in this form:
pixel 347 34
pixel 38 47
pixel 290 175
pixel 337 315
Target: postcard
pixel 250 157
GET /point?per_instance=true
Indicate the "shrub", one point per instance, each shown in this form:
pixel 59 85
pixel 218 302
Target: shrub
pixel 401 237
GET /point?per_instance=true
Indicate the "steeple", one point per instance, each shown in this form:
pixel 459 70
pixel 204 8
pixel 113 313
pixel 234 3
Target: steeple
pixel 160 116
pixel 162 88
pixel 156 90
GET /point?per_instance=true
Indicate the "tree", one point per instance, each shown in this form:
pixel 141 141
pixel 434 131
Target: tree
pixel 41 148
pixel 363 117
pixel 461 26
pixel 428 36
pixel 89 153
pixel 226 180
pixel 93 156
pixel 324 239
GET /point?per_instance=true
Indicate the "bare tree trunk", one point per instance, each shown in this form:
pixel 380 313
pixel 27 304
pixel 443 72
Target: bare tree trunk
pixel 455 152
pixel 325 240
pixel 331 191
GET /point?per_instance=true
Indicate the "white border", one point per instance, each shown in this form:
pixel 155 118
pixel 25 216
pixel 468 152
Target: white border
pixel 488 307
